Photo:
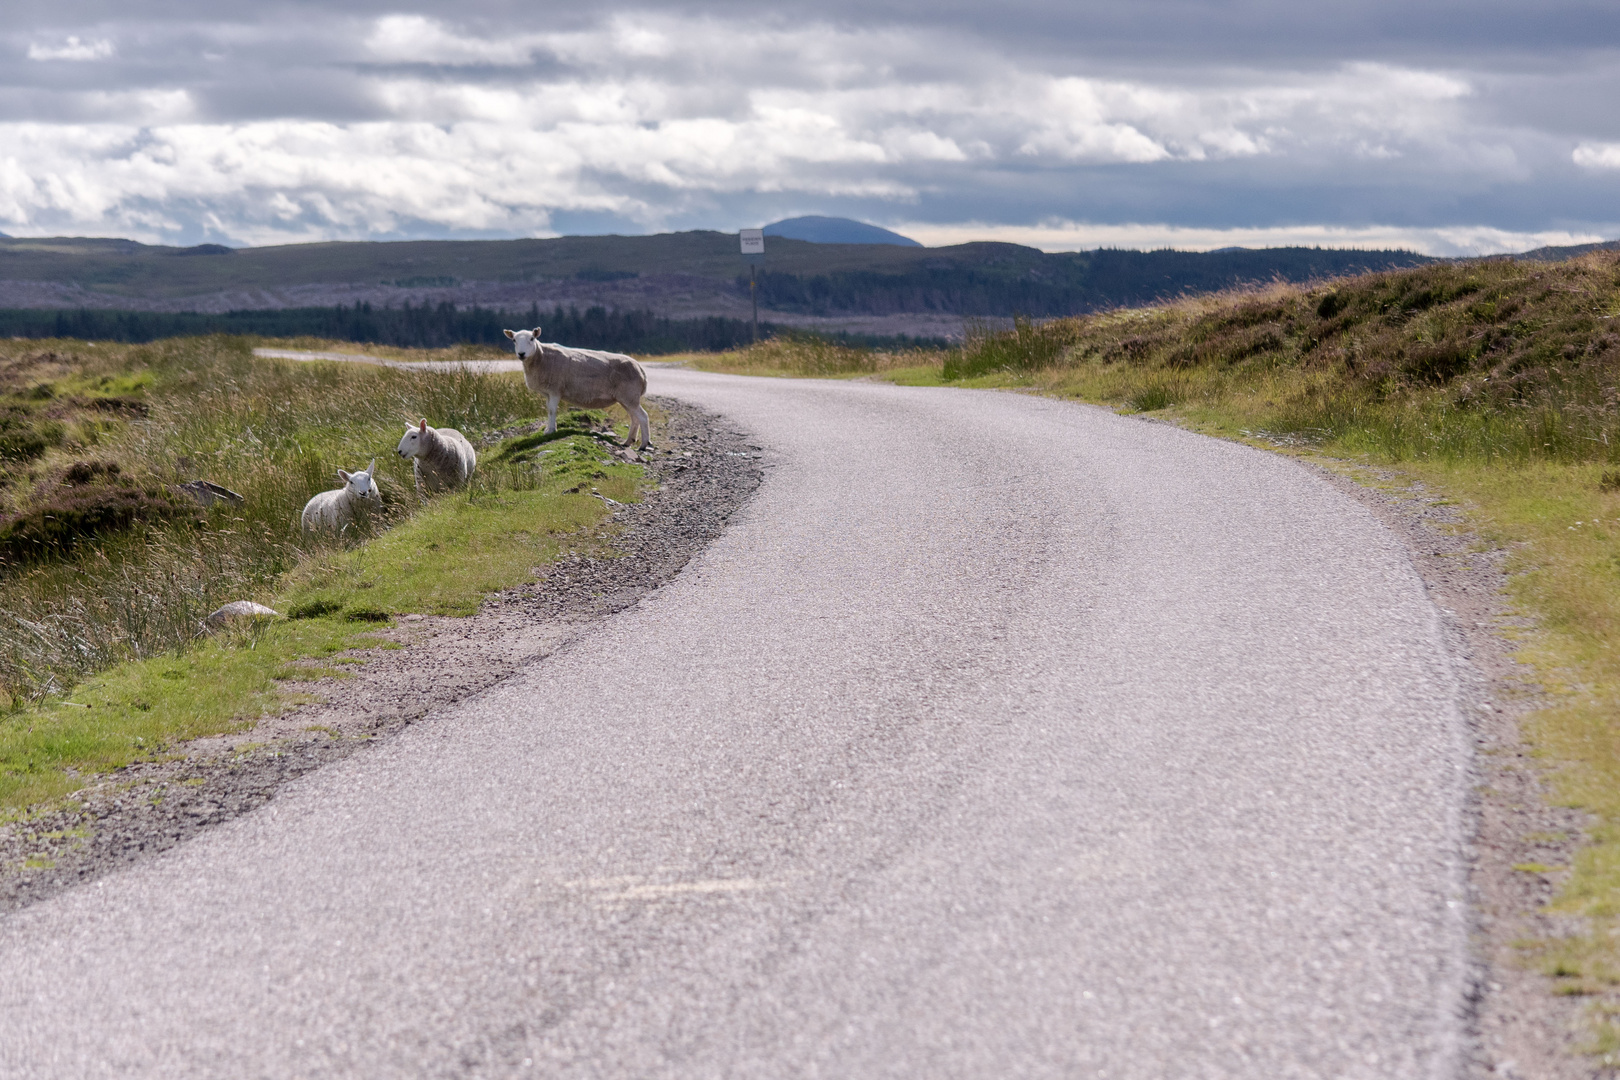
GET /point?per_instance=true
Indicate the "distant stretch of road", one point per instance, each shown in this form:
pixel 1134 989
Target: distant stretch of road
pixel 998 737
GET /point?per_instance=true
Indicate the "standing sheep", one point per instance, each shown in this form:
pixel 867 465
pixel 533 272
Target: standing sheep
pixel 583 377
pixel 337 509
pixel 444 457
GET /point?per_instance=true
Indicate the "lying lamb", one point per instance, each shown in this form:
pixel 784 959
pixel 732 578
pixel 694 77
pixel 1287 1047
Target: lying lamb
pixel 337 509
pixel 444 457
pixel 583 377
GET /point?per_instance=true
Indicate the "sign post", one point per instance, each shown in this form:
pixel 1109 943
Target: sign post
pixel 753 249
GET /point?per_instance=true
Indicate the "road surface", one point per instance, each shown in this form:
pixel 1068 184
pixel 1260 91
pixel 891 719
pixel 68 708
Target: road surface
pixel 998 737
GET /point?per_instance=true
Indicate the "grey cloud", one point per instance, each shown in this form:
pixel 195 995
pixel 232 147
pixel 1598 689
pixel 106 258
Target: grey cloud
pixel 1538 82
pixel 1241 31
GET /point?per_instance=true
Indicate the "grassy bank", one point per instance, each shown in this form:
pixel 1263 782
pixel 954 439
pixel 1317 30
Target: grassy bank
pixel 106 569
pixel 1496 384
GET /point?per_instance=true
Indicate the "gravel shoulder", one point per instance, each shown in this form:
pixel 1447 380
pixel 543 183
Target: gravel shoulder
pixel 1522 1029
pixel 704 470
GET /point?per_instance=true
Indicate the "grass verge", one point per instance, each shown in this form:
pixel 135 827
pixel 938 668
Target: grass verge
pixel 99 641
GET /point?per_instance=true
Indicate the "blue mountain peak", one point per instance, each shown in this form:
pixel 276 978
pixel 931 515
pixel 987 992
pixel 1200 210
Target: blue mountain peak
pixel 836 230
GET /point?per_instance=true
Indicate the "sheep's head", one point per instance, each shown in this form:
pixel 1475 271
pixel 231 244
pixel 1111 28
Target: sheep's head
pixel 360 484
pixel 525 342
pixel 414 441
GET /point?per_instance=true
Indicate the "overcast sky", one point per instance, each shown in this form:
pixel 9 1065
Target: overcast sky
pixel 1450 128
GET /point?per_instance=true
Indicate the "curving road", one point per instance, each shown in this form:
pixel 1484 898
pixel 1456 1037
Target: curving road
pixel 998 737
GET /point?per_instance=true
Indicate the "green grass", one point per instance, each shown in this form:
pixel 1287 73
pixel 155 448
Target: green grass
pixel 447 558
pixel 138 711
pixel 144 565
pixel 443 561
pixel 100 650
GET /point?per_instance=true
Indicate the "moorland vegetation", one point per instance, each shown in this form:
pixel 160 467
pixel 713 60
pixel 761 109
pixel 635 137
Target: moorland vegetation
pixel 108 565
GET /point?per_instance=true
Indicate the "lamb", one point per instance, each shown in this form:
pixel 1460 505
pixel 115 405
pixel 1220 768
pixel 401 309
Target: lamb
pixel 337 509
pixel 583 377
pixel 444 459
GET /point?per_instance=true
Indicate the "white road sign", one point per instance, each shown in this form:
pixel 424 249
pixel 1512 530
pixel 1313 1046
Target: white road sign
pixel 753 241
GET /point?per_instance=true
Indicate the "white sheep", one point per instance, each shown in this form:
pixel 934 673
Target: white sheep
pixel 444 459
pixel 337 509
pixel 584 377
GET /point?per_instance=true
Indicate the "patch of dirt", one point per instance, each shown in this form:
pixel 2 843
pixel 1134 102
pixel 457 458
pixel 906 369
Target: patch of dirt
pixel 705 471
pixel 1522 1029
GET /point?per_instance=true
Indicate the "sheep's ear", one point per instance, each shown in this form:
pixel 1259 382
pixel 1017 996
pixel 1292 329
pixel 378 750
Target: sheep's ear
pixel 509 334
pixel 423 428
pixel 343 476
pixel 371 470
pixel 536 333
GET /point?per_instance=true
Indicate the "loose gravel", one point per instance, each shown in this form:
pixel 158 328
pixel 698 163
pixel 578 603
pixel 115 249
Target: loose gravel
pixel 704 470
pixel 1522 1029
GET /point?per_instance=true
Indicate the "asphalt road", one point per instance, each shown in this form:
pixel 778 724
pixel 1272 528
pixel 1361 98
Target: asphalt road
pixel 999 737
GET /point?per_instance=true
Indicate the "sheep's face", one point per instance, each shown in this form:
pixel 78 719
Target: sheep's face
pixel 411 445
pixel 525 342
pixel 360 484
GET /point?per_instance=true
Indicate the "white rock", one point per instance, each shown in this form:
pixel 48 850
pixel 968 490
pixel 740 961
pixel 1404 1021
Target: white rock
pixel 239 609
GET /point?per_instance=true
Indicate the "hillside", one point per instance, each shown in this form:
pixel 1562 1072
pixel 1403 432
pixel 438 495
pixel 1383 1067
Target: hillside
pixel 866 288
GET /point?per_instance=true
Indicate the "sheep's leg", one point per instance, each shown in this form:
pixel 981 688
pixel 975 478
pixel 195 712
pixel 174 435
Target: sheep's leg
pixel 551 413
pixel 638 419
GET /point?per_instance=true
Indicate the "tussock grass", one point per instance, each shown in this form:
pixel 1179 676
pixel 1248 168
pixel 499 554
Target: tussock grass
pixel 1028 346
pixel 1492 361
pixel 447 558
pixel 136 585
pixel 443 559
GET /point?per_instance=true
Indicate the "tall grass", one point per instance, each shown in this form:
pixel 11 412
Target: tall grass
pixel 1028 346
pixel 1489 361
pixel 276 432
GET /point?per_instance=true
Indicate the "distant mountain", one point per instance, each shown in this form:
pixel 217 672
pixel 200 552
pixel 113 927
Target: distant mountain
pixel 836 230
pixel 867 288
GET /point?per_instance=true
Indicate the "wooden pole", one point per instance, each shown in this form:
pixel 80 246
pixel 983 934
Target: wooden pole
pixel 755 298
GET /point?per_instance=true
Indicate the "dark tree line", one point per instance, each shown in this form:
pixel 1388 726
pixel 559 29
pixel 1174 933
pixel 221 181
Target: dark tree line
pixel 424 326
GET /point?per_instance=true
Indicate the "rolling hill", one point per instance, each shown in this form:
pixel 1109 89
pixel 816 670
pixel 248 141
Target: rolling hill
pixel 864 288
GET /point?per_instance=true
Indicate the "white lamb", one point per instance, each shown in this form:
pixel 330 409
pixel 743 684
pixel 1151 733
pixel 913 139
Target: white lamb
pixel 583 377
pixel 444 457
pixel 337 509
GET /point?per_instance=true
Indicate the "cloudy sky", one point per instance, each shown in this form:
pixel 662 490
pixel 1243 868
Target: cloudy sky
pixel 1451 128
